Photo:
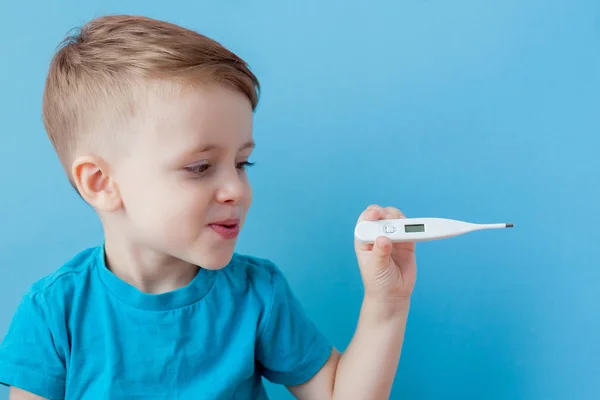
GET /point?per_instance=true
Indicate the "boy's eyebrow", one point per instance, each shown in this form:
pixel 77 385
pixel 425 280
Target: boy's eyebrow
pixel 247 145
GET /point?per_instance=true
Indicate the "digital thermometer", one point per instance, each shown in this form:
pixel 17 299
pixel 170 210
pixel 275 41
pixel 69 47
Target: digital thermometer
pixel 417 229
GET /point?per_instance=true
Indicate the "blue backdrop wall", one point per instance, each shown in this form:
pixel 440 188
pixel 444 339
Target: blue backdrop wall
pixel 485 111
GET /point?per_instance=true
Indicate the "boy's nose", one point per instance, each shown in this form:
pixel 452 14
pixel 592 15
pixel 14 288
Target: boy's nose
pixel 231 190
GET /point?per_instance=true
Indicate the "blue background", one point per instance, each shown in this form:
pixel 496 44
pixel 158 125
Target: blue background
pixel 486 111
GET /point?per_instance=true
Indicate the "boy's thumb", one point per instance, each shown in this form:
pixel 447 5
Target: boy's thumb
pixel 382 248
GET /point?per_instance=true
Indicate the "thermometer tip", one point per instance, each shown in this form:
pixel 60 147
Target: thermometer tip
pixel 510 225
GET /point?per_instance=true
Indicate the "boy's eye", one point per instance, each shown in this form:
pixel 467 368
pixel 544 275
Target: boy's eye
pixel 197 169
pixel 202 168
pixel 244 165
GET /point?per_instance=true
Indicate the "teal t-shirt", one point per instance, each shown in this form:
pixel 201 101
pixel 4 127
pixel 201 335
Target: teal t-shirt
pixel 83 333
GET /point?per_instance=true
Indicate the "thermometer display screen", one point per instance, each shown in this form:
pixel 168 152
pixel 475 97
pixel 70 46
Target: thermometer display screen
pixel 414 228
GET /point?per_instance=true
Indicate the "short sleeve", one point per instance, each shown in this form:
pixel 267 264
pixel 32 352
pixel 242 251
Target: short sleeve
pixel 291 349
pixel 28 357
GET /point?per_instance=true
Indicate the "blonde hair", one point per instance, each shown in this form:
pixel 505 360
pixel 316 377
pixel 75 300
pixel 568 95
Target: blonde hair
pixel 96 75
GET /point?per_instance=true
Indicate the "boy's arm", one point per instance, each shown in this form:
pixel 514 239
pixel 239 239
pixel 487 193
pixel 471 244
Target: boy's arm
pixel 18 394
pixel 367 368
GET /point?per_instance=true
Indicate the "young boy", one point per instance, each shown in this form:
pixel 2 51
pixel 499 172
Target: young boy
pixel 153 125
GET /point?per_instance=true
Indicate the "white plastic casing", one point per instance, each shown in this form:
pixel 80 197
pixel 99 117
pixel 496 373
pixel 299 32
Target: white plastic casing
pixel 433 228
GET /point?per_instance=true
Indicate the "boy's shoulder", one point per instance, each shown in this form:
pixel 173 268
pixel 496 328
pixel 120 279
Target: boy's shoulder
pixel 69 274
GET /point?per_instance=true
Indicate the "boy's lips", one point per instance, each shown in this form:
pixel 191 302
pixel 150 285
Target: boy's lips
pixel 227 228
pixel 230 221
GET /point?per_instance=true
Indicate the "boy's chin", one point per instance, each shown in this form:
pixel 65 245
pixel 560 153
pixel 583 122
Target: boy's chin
pixel 215 260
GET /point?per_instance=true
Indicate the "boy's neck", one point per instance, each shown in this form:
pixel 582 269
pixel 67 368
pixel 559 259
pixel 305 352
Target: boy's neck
pixel 147 270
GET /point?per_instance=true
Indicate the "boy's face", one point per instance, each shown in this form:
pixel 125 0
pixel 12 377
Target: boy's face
pixel 184 187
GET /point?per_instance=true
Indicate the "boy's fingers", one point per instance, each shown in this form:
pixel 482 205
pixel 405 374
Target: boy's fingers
pixel 393 213
pixel 381 251
pixel 372 213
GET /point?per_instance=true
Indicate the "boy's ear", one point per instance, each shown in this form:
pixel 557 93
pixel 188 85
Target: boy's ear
pixel 91 175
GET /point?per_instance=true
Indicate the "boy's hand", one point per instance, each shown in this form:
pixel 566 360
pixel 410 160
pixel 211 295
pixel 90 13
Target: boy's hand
pixel 367 368
pixel 388 269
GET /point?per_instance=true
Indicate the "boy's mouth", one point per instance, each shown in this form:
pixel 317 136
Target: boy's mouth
pixel 227 229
